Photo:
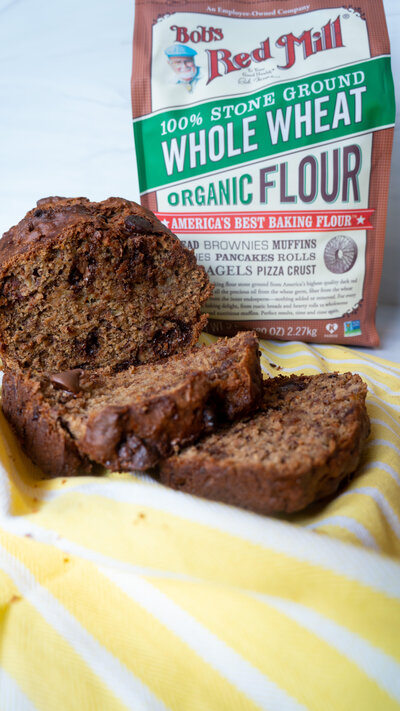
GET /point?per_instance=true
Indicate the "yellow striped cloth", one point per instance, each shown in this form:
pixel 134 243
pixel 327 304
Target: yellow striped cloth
pixel 117 593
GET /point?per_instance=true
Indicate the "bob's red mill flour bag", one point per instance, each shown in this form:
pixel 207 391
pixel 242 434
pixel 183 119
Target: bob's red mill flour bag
pixel 263 135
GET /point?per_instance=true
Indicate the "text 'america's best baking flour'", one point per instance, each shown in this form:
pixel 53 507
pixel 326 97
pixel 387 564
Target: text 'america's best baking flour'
pixel 263 135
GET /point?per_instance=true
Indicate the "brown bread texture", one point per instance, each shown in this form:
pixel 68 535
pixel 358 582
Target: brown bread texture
pixel 40 432
pixel 96 284
pixel 306 439
pixel 131 419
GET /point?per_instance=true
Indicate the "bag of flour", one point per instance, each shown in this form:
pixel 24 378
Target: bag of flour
pixel 263 135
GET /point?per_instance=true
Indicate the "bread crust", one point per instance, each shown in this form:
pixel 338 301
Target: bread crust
pixel 52 215
pixel 307 439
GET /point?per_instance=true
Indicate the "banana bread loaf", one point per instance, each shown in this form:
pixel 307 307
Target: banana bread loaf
pixel 88 285
pixel 306 439
pixel 131 419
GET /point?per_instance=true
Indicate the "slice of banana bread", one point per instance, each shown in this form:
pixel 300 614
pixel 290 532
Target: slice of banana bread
pixel 306 439
pixel 88 285
pixel 131 419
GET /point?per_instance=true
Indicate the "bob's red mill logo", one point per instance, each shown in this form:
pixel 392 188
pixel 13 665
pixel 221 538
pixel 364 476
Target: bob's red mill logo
pixel 223 61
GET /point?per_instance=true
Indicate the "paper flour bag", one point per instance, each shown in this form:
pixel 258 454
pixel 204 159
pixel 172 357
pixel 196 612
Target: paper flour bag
pixel 263 135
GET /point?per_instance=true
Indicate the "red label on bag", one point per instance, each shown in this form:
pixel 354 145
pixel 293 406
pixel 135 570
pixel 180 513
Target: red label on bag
pixel 259 222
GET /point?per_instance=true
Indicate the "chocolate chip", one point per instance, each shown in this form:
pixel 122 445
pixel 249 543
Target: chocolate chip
pixel 164 343
pixel 38 213
pixel 136 223
pixel 123 365
pixel 139 454
pixel 92 343
pixel 67 380
pixel 74 276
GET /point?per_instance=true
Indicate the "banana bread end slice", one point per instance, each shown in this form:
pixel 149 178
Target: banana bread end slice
pixel 306 439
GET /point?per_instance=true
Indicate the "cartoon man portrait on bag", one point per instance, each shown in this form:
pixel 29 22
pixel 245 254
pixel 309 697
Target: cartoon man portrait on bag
pixel 181 60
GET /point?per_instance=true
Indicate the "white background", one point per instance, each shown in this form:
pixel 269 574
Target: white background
pixel 65 117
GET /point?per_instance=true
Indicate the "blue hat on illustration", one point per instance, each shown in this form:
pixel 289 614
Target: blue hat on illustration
pixel 181 60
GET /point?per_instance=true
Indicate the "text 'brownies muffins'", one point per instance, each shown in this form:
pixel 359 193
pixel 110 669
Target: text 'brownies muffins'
pixel 306 439
pixel 131 419
pixel 86 284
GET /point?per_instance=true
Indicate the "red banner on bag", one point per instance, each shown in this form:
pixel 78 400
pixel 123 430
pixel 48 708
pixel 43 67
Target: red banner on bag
pixel 261 222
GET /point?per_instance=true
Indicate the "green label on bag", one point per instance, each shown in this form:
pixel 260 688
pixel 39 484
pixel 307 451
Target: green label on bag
pixel 179 144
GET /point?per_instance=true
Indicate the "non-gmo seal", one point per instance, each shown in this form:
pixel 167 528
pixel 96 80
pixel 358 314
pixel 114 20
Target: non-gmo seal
pixel 340 254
